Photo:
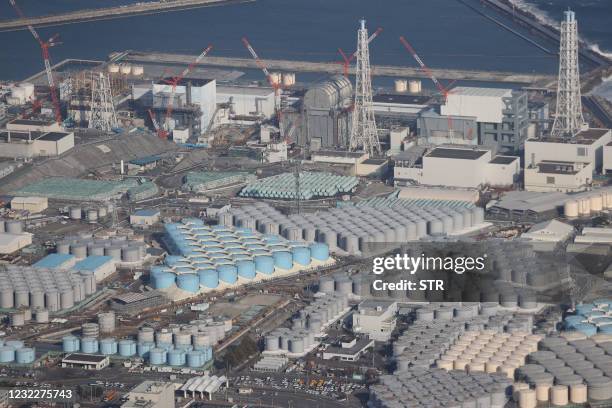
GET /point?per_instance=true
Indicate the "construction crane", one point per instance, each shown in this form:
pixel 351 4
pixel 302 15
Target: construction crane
pixel 275 84
pixel 173 82
pixel 346 61
pixel 44 46
pixel 443 91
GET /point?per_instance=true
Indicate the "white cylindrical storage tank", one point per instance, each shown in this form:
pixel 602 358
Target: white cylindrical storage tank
pixel 584 207
pixel 137 70
pixel 113 68
pixel 13 227
pixel 414 85
pixel 90 330
pixel 106 322
pixel 92 215
pixel 146 335
pixel 288 79
pixel 559 395
pixel 42 316
pixel 75 213
pixel 401 85
pixel 17 319
pixel 570 209
pixel 596 203
pixel 276 78
pixel 125 69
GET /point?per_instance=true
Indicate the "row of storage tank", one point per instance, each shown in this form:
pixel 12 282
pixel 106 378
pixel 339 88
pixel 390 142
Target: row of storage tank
pixel 311 185
pixel 89 214
pixel 14 351
pixel 219 254
pixel 36 288
pixel 307 326
pixel 24 315
pixel 591 318
pixel 120 248
pixel 588 204
pixel 11 226
pixel 125 69
pixel 355 229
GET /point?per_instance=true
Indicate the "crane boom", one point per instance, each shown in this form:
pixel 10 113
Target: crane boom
pixel 423 66
pixel 258 60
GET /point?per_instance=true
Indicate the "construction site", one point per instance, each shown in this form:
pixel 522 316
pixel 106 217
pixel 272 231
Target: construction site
pixel 201 229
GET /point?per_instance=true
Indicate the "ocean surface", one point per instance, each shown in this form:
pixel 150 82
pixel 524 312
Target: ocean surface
pixel 445 33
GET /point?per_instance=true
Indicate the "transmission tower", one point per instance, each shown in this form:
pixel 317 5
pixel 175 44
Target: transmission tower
pixel 569 119
pixel 364 134
pixel 103 116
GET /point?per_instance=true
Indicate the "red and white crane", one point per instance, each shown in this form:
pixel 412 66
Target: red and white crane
pixel 44 46
pixel 444 91
pixel 346 61
pixel 173 82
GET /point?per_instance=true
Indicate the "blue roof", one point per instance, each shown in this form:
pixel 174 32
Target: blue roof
pixel 53 261
pixel 91 263
pixel 145 160
pixel 146 213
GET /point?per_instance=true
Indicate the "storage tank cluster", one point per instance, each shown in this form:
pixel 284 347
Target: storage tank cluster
pixel 306 327
pixel 588 204
pixel 209 256
pixel 11 226
pixel 356 229
pixel 566 372
pixel 184 347
pixel 52 290
pixel 343 284
pixel 121 248
pixel 403 85
pixel 433 387
pixel 312 185
pixel 15 352
pixel 24 315
pixel 591 318
pixel 125 69
pixel 89 214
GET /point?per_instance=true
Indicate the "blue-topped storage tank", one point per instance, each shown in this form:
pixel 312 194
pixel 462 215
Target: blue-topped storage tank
pixel 606 329
pixel 16 344
pixel 301 255
pixel 157 356
pixel 108 346
pixel 585 328
pixel 571 321
pixel 127 348
pixel 207 353
pixel 166 346
pixel 189 282
pixel 89 345
pixel 70 344
pixel 271 238
pixel 227 273
pixel 319 251
pixel 264 264
pixel 25 355
pixel 144 347
pixel 246 269
pixel 209 278
pixel 176 358
pixel 283 259
pixel 241 257
pixel 195 359
pixel 162 280
pixel 7 354
pixel 584 308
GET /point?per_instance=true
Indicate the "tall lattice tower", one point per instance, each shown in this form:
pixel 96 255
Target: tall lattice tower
pixel 569 119
pixel 103 116
pixel 363 125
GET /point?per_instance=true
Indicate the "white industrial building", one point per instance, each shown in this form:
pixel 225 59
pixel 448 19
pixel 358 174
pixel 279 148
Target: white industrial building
pixel 587 146
pixel 151 394
pixel 31 204
pixel 244 102
pixel 34 125
pixel 607 159
pixel 202 387
pixel 556 175
pixel 549 231
pixel 145 217
pixel 348 349
pixel 28 144
pixel 85 361
pixel 376 318
pixel 10 242
pixel 485 104
pixel 455 166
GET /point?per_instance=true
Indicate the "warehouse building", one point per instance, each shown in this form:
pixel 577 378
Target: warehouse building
pixel 101 266
pixel 134 303
pixel 31 204
pixel 34 125
pixel 73 189
pixel 201 181
pixel 144 218
pixel 56 261
pixel 28 144
pixel 557 175
pixel 455 166
pixel 10 243
pixel 86 361
pixel 375 318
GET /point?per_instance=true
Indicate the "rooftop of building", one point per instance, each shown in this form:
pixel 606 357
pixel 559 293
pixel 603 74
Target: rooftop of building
pixel 376 162
pixel 197 82
pixel 152 387
pixel 360 344
pixel 403 99
pixel 504 159
pixel 375 307
pixel 453 153
pixel 584 137
pixel 93 262
pixel 133 297
pixel 31 135
pixel 339 153
pixel 149 212
pixel 143 161
pixel 32 122
pixel 53 260
pixel 480 91
pixel 84 358
pixel 244 90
